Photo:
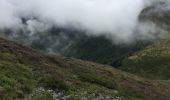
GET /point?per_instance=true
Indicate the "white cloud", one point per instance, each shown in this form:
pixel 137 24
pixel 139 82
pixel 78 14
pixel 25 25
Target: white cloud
pixel 116 18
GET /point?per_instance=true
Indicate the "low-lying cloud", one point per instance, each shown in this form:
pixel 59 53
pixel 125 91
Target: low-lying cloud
pixel 114 18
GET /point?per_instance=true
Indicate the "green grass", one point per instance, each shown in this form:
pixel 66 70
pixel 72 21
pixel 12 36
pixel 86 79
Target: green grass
pixel 100 80
pixel 22 70
pixel 151 62
pixel 50 82
pixel 16 79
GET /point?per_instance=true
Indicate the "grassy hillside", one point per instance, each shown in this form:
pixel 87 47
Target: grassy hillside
pixel 152 62
pixel 31 74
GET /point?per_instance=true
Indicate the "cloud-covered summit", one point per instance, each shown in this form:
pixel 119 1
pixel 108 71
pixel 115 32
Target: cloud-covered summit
pixel 113 18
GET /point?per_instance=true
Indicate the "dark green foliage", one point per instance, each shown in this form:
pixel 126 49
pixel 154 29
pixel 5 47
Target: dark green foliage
pixel 101 50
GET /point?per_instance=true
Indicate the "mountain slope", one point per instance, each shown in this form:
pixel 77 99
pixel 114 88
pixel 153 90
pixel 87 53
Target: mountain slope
pixel 78 44
pixel 28 73
pixel 101 50
pixel 152 62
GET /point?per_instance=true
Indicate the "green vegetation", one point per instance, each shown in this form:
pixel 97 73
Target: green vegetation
pixel 101 50
pixel 78 44
pixel 98 79
pixel 151 62
pixel 28 73
pixel 53 83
